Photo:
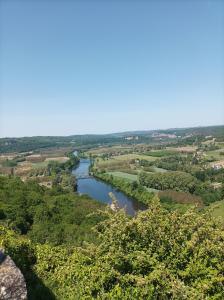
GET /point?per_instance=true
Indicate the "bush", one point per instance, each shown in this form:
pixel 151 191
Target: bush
pixel 156 255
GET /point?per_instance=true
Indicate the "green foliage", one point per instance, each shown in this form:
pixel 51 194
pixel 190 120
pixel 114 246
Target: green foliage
pixel 9 163
pixel 179 200
pixel 53 216
pixel 156 255
pixel 210 174
pixel 176 162
pixel 25 144
pixel 218 209
pixel 160 153
pixel 131 176
pixel 88 141
pixel 65 219
pixel 131 189
pixel 178 181
pixel 181 181
pixel 18 201
pixel 56 167
pixel 61 173
pixel 208 193
pixel 19 248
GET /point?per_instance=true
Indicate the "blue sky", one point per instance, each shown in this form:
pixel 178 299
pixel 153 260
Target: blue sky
pixel 73 67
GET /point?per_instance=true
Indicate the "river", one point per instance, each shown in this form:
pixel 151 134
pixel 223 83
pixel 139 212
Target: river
pixel 100 190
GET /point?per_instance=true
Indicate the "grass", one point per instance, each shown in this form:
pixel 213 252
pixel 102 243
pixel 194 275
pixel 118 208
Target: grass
pixel 38 165
pixel 135 156
pixel 120 161
pixel 218 209
pixel 160 153
pixel 152 190
pixel 111 164
pixel 60 159
pixel 43 164
pixel 159 170
pixel 129 177
pixel 215 154
pixel 183 149
pixel 172 196
pixel 107 150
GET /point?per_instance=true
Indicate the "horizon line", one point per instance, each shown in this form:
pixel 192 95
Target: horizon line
pixel 111 133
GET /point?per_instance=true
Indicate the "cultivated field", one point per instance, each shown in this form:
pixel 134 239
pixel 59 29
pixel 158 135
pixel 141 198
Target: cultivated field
pixel 215 154
pixel 185 149
pixel 218 209
pixel 129 177
pixel 31 163
pixel 133 156
pixel 109 150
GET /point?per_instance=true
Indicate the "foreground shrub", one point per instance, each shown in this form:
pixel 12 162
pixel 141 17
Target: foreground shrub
pixel 156 255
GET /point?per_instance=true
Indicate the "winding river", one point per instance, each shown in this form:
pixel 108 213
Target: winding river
pixel 100 190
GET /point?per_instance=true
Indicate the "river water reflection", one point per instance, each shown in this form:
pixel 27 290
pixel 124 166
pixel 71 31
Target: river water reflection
pixel 100 190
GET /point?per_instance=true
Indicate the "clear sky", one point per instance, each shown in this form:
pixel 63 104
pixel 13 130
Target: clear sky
pixel 73 67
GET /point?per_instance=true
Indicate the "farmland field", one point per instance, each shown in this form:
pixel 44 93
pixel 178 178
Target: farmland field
pixel 160 153
pixel 159 170
pixel 106 150
pixel 130 177
pixel 218 209
pixel 185 149
pixel 38 165
pixel 132 156
pixel 215 154
pixel 60 159
pixel 152 190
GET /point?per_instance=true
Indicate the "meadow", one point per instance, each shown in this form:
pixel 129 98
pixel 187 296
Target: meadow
pixel 218 209
pixel 215 154
pixel 127 176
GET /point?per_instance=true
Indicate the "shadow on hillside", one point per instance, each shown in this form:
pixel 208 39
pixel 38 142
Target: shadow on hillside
pixel 2 257
pixel 36 289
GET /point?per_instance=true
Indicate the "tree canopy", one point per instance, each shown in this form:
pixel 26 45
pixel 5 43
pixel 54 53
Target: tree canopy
pixel 155 255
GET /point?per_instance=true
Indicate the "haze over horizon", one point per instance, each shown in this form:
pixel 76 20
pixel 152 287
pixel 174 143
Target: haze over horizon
pixel 104 67
pixel 116 132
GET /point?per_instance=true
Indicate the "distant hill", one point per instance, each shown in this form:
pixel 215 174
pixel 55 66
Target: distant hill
pixel 23 144
pixel 208 130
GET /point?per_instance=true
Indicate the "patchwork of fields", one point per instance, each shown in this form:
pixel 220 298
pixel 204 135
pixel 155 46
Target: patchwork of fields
pixel 32 165
pixel 184 160
pixel 202 164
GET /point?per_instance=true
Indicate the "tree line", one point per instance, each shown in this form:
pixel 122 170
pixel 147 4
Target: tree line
pixel 182 181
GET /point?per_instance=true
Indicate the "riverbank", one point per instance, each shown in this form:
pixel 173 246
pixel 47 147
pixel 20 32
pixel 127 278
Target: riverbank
pixel 99 189
pixel 131 189
pixel 61 173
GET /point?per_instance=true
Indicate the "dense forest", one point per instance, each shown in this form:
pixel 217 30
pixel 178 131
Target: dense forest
pixel 53 216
